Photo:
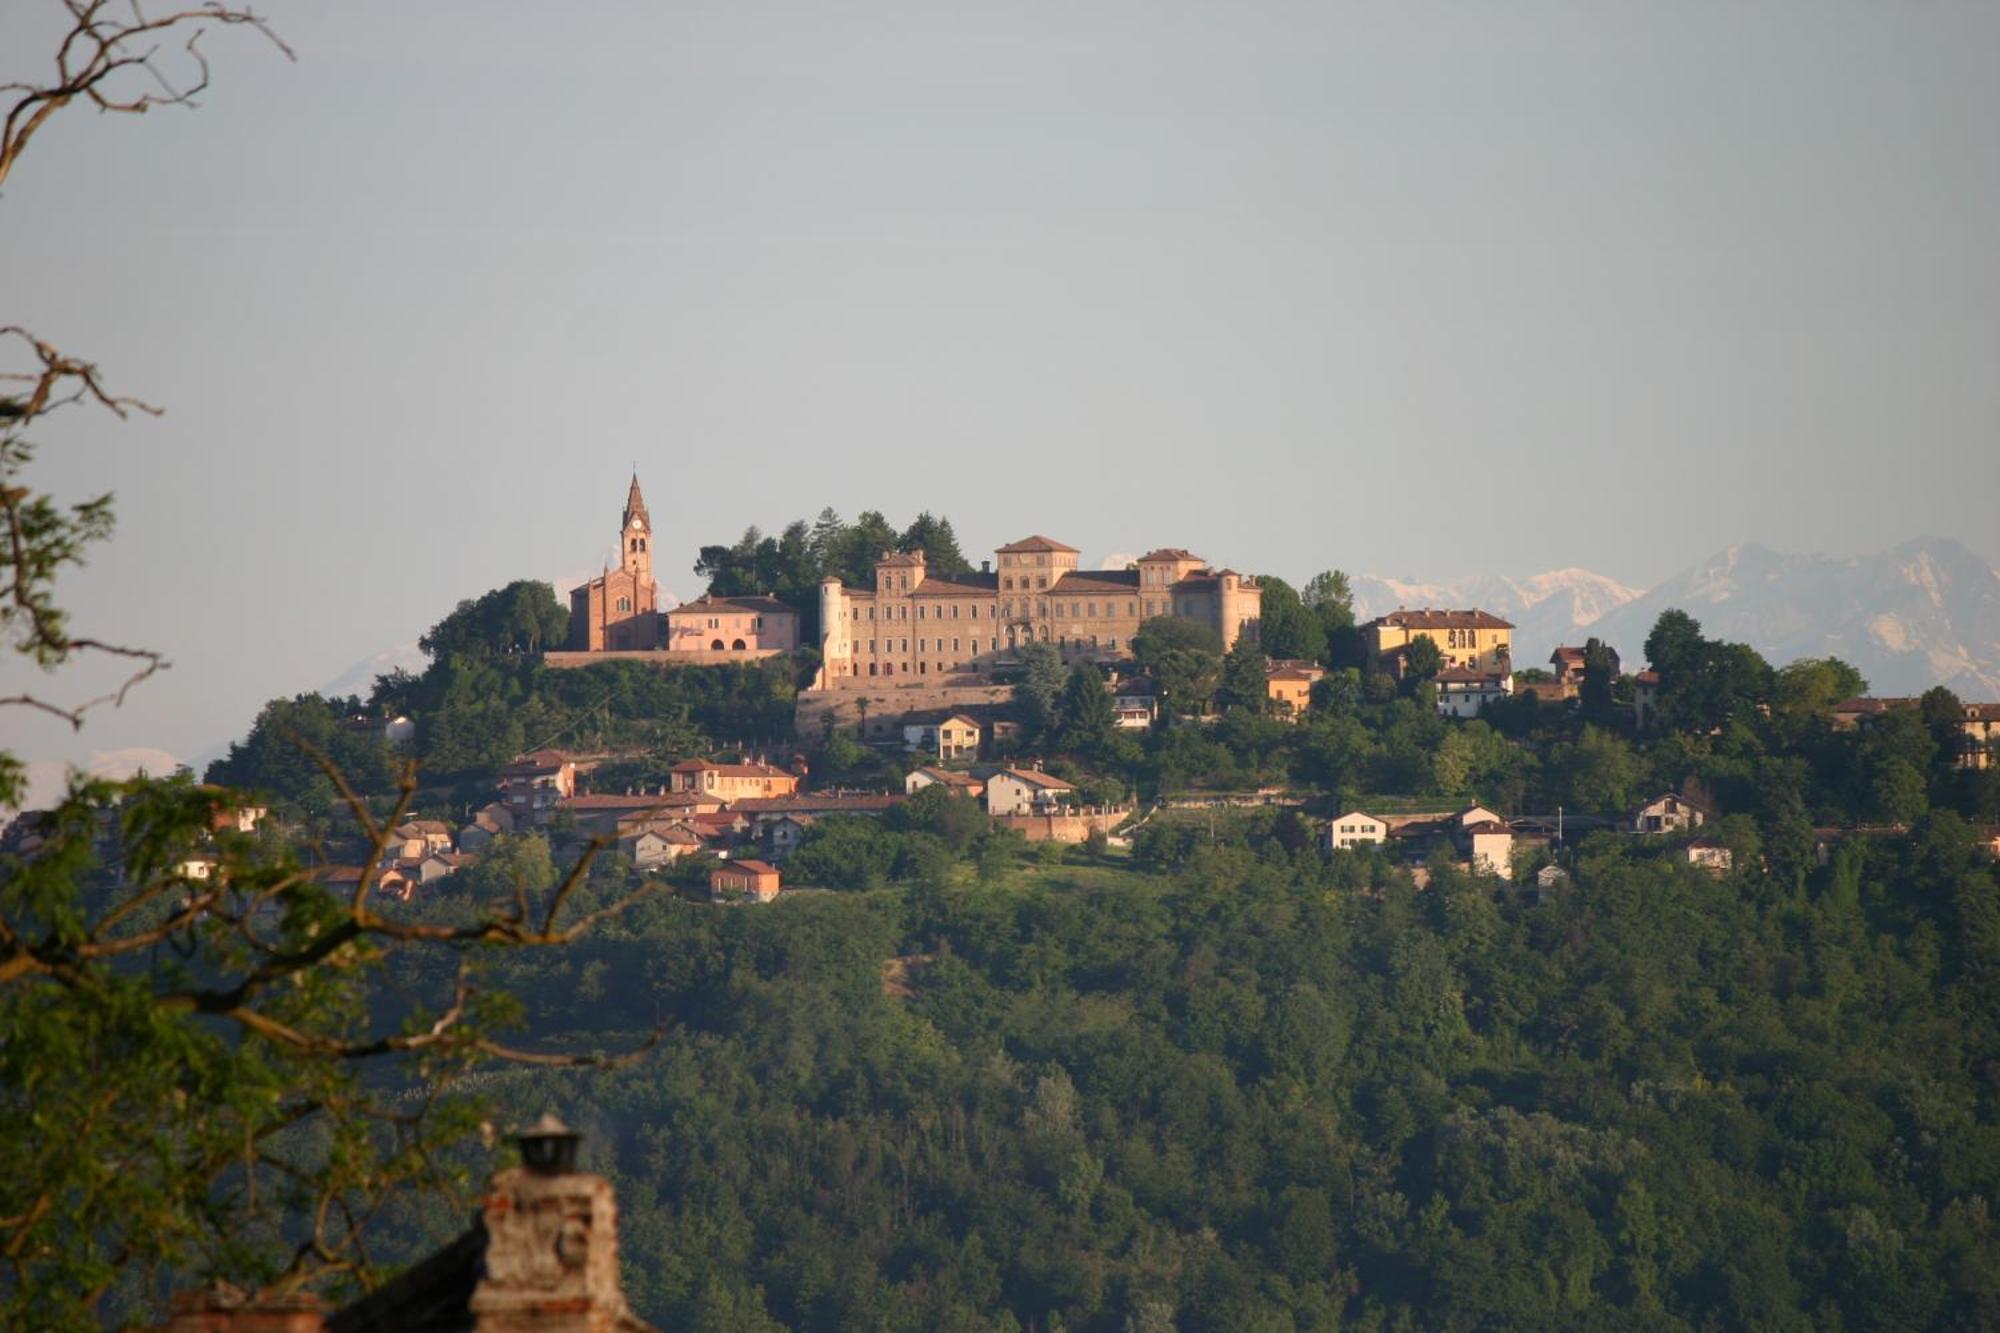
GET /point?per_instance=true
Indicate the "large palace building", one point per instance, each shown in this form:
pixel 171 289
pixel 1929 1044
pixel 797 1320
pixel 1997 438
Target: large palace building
pixel 915 623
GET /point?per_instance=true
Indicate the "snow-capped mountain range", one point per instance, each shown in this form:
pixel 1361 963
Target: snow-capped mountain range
pixel 1921 614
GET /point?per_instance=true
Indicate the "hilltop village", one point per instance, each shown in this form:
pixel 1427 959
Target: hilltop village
pixel 726 739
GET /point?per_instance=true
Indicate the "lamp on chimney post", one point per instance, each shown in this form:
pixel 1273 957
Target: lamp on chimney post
pixel 548 1147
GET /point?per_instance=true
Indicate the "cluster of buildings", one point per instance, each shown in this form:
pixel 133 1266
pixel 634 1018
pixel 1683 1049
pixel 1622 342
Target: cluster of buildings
pixel 911 621
pixel 1487 843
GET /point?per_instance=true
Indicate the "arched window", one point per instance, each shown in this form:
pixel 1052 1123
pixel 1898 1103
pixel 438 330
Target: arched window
pixel 715 646
pixel 737 646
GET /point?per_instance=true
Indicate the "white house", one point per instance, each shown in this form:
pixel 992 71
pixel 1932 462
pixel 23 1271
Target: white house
pixel 1668 813
pixel 1019 791
pixel 953 781
pixel 1135 703
pixel 1356 828
pixel 1490 848
pixel 1709 854
pixel 1463 692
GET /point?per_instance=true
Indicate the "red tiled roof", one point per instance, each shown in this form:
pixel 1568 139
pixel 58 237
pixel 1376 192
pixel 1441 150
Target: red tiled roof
pixel 730 770
pixel 754 867
pixel 1441 620
pixel 900 559
pixel 743 605
pixel 1034 543
pixel 1463 675
pixel 1168 553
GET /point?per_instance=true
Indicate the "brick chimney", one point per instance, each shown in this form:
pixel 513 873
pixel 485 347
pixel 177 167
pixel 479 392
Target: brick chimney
pixel 551 1262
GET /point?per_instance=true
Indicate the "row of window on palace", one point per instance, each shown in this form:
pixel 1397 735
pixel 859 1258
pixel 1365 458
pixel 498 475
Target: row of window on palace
pixel 1065 643
pixel 1077 610
pixel 1461 638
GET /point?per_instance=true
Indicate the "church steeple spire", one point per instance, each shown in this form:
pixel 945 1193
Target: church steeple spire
pixel 635 538
pixel 635 505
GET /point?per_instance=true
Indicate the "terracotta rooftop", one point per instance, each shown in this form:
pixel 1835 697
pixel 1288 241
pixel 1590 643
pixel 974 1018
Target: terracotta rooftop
pixel 730 770
pixel 1168 553
pixel 899 559
pixel 1462 675
pixel 1428 619
pixel 1034 543
pixel 705 604
pixel 754 867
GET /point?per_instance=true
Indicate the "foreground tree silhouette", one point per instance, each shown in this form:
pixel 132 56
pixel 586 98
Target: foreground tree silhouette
pixel 208 1069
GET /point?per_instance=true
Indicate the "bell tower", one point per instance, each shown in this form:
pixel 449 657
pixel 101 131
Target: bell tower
pixel 635 540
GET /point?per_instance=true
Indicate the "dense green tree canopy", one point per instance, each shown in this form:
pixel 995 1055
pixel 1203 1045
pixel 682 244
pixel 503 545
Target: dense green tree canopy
pixel 523 617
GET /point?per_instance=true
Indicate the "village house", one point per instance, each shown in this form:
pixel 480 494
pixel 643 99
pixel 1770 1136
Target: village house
pixel 1288 686
pixel 1489 847
pixel 959 784
pixel 1135 703
pixel 785 834
pixel 1708 854
pixel 1474 639
pixel 1463 692
pixel 533 785
pixel 1645 699
pixel 1016 791
pixel 1356 828
pixel 732 782
pixel 743 881
pixel 1667 814
pixel 487 824
pixel 942 733
pixel 1568 664
pixel 653 844
pixel 418 838
pixel 1551 692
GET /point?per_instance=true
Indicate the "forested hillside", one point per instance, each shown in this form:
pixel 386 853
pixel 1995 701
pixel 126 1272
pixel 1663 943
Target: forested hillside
pixel 1263 1089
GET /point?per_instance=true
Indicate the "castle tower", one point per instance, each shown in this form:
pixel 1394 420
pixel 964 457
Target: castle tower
pixel 635 538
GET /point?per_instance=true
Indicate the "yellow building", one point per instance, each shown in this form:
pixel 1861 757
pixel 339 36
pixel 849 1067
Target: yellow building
pixel 916 623
pixel 1475 639
pixel 732 782
pixel 1289 686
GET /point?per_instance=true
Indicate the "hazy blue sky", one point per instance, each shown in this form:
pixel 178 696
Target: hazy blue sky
pixel 1414 289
